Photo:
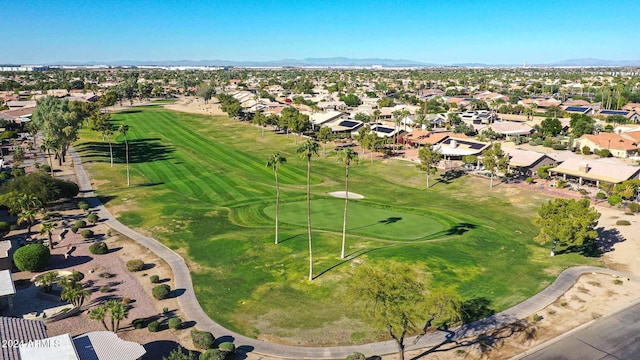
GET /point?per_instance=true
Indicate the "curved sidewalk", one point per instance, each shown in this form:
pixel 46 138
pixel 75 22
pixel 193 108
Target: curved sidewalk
pixel 193 312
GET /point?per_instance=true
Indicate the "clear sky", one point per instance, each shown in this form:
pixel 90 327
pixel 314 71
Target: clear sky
pixel 445 32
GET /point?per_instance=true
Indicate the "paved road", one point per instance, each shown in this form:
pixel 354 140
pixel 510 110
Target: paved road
pixel 613 337
pixel 193 312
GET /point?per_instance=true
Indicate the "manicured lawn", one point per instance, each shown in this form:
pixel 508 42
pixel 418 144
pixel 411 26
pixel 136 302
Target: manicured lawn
pixel 200 185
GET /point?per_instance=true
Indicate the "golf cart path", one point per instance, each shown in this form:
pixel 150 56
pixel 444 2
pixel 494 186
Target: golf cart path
pixel 193 312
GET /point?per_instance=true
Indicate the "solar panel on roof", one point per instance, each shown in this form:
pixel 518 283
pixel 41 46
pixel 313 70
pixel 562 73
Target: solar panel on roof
pixel 348 123
pixel 385 130
pixel 614 112
pixel 576 109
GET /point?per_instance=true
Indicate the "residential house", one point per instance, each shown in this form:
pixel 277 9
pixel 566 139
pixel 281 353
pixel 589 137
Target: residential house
pixel 583 110
pixel 455 147
pixel 319 119
pixel 509 129
pixel 617 145
pixel 19 331
pixel 420 137
pixel 632 116
pixel 525 162
pixel 342 126
pixel 594 171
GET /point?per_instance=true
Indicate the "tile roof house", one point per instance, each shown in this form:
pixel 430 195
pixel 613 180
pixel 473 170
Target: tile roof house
pixel 526 162
pixel 595 170
pixel 16 331
pixel 618 145
pixel 510 128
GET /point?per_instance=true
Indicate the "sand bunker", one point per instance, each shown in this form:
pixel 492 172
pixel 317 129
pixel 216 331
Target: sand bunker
pixel 342 195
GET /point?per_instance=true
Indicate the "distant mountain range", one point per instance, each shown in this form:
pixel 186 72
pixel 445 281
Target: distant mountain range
pixel 346 62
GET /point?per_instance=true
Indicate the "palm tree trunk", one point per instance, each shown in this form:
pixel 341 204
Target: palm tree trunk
pixel 428 170
pixel 50 162
pixel 277 202
pixel 105 325
pixel 309 216
pixel 50 240
pixel 346 203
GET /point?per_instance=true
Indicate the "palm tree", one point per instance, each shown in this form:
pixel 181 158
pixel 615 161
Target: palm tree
pixel 27 216
pixel 118 311
pixel 99 313
pixel 396 119
pixel 123 129
pixel 47 280
pixel 47 228
pixel 48 144
pixel 108 132
pixel 307 150
pixel 347 156
pixel 274 162
pixel 74 293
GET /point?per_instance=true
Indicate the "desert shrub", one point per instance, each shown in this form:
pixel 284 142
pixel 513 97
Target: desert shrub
pixel 32 257
pixel 600 195
pixel 537 317
pixel 165 310
pixel 604 153
pixel 561 183
pixel 154 279
pixel 80 223
pixel 175 323
pixel 98 248
pixel 623 222
pixel 135 265
pixel 138 323
pixel 92 218
pixel 356 356
pixel 126 301
pixel 202 339
pixel 45 168
pixel 618 282
pixel 614 200
pixel 76 276
pixel 153 326
pixel 586 150
pixel 227 347
pixel 83 205
pixel 160 292
pixel 87 233
pixel 178 354
pixel 74 229
pixel 583 192
pixel 105 289
pixel 106 275
pixel 634 207
pixel 213 354
pixel 529 180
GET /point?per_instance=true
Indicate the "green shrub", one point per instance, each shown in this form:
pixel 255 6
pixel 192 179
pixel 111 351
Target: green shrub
pixel 83 205
pixel 583 192
pixel 614 200
pixel 618 282
pixel 154 279
pixel 175 323
pixel 45 168
pixel 99 248
pixel 135 265
pixel 178 354
pixel 623 222
pixel 87 234
pixel 529 180
pixel 634 207
pixel 153 326
pixel 92 218
pixel 106 275
pixel 139 323
pixel 227 347
pixel 74 229
pixel 202 339
pixel 32 257
pixel 586 150
pixel 161 291
pixel 80 223
pixel 604 153
pixel 4 228
pixel 356 356
pixel 213 354
pixel 105 289
pixel 76 276
pixel 537 317
pixel 600 195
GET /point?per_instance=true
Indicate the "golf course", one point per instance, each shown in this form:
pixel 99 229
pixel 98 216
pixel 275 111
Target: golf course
pixel 200 185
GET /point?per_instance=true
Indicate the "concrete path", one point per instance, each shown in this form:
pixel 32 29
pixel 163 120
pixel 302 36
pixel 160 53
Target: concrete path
pixel 193 312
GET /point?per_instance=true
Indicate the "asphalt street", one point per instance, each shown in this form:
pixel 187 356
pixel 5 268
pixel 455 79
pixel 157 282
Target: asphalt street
pixel 613 337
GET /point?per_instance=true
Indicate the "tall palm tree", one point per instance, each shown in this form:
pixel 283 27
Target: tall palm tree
pixel 48 144
pixel 74 293
pixel 307 150
pixel 118 311
pixel 107 131
pixel 274 162
pixel 123 129
pixel 347 156
pixel 47 228
pixel 99 313
pixel 27 216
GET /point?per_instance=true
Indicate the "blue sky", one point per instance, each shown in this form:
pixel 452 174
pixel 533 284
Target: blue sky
pixel 446 32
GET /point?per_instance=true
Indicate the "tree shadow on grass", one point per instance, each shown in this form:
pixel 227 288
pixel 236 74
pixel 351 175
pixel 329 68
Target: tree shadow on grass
pixel 448 176
pixel 140 151
pixel 387 221
pixel 606 241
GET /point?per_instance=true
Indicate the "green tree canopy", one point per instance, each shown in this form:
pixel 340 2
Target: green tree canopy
pixel 567 222
pixel 551 126
pixel 59 122
pixel 581 124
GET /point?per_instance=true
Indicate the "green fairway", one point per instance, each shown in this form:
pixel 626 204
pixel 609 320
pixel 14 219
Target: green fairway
pixel 200 185
pixel 363 219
